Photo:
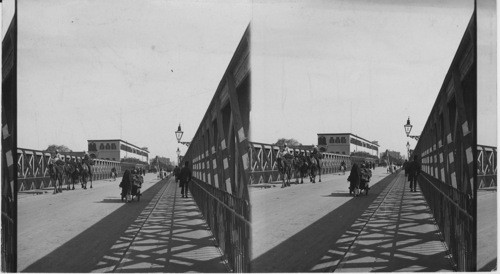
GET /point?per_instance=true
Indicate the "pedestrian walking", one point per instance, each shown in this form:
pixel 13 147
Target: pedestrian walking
pixel 126 185
pixel 176 173
pixel 413 172
pixel 354 179
pixel 185 177
pixel 342 167
pixel 113 173
pixel 405 167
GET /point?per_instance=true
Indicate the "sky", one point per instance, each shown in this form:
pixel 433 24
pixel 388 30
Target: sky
pixel 121 69
pixel 134 70
pixel 351 66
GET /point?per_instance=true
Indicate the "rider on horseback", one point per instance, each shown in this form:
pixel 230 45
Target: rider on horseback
pixel 54 160
pixel 315 152
pixel 284 151
pixel 86 160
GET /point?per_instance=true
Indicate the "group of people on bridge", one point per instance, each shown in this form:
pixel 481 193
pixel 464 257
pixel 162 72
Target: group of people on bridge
pixel 301 165
pixel 131 184
pixel 72 170
pixel 359 178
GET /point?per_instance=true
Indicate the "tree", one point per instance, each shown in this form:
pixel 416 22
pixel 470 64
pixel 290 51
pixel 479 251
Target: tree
pixel 60 148
pixel 133 161
pixel 362 154
pixel 289 142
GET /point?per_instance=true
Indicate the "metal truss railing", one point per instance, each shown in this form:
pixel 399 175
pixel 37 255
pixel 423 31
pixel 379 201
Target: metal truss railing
pixel 33 173
pixel 264 168
pixel 446 150
pixel 9 143
pixel 220 162
pixel 486 166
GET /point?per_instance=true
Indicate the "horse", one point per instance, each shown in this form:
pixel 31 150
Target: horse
pixel 89 162
pixel 84 174
pixel 113 173
pixel 56 174
pixel 285 165
pixel 301 167
pixel 316 160
pixel 71 174
pixel 313 167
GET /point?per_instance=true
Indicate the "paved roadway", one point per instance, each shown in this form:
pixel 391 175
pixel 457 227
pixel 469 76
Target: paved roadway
pixel 320 228
pixel 487 230
pixel 292 227
pixel 47 221
pixel 94 231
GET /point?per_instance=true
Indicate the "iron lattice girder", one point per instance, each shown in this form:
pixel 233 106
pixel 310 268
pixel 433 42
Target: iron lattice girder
pixel 33 173
pixel 264 167
pixel 446 150
pixel 220 160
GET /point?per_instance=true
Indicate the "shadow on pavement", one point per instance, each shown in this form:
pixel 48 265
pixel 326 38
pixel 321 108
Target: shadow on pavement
pixel 83 252
pixel 302 251
pixel 167 240
pixel 365 235
pixel 338 194
pixel 400 236
pixel 111 200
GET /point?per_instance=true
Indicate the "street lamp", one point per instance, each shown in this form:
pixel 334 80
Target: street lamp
pixel 178 156
pixel 408 128
pixel 408 149
pixel 178 135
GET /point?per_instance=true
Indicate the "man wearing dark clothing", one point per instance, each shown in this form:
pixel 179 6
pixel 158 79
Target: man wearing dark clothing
pixel 176 173
pixel 354 179
pixel 406 165
pixel 185 177
pixel 413 172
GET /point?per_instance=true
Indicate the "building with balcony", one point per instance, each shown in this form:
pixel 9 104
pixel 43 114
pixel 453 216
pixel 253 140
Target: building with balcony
pixel 116 150
pixel 346 143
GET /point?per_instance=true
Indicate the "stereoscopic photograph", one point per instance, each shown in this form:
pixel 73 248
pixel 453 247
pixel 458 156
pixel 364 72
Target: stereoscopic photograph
pixel 249 136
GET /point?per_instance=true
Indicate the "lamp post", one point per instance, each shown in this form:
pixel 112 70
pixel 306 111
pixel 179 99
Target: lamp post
pixel 408 127
pixel 178 157
pixel 178 135
pixel 408 149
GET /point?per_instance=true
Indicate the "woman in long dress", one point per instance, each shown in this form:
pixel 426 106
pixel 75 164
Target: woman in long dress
pixel 354 179
pixel 126 185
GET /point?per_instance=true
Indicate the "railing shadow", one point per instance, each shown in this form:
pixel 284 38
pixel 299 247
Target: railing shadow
pixel 302 251
pixel 393 241
pixel 164 240
pixel 338 194
pixel 83 252
pixel 397 239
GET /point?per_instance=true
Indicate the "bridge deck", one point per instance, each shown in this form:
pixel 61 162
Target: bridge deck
pixel 93 231
pixel 321 228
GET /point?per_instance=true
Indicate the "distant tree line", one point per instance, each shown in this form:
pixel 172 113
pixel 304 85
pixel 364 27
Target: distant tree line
pixel 60 148
pixel 289 142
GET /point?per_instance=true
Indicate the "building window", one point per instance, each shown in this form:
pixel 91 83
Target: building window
pixel 343 140
pixel 331 140
pixel 108 147
pixel 101 147
pixel 322 140
pixel 337 140
pixel 113 159
pixel 343 152
pixel 113 146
